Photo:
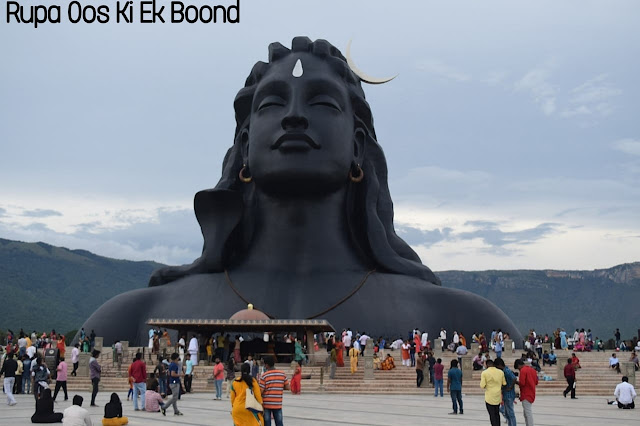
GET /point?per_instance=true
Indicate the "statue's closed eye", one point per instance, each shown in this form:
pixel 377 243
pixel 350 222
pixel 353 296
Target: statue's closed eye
pixel 271 101
pixel 324 100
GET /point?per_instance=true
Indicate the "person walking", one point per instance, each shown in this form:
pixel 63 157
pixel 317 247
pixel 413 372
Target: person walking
pixel 272 385
pixel 333 362
pixel 9 368
pixel 454 386
pixel 188 373
pixel 420 358
pixel 174 385
pixel 296 380
pixel 26 374
pixel 139 374
pixel 492 381
pixel 75 358
pixel 95 370
pixel 240 413
pixel 61 379
pixel 117 346
pixel 193 349
pixel 527 380
pixel 353 359
pixel 218 377
pixel 17 385
pixel 230 374
pixel 438 377
pixel 160 372
pixel 41 375
pixel 432 362
pixel 570 377
pixel 508 391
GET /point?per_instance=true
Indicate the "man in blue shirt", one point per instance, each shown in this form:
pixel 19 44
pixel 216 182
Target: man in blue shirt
pixel 508 392
pixel 549 359
pixel 174 385
pixel 454 386
pixel 188 374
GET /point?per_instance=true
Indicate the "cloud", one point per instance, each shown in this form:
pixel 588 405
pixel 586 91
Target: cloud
pixel 592 98
pixel 536 83
pixel 494 239
pixel 2 212
pixel 492 236
pixel 166 235
pixel 596 90
pixel 629 146
pixel 37 227
pixel 495 77
pixel 415 236
pixel 439 68
pixel 41 213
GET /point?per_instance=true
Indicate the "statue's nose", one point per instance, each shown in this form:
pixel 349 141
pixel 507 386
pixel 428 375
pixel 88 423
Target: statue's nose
pixel 294 122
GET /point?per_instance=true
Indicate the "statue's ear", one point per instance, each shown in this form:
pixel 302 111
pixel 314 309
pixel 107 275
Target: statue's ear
pixel 244 140
pixel 359 139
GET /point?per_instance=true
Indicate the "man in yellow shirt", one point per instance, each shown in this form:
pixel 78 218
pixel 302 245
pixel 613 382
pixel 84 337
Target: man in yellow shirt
pixel 492 381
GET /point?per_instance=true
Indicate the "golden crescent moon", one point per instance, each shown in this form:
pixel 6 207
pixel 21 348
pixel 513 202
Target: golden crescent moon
pixel 364 77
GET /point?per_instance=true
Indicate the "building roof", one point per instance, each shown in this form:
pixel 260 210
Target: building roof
pixel 247 325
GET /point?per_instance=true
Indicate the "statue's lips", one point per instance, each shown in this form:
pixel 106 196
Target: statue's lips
pixel 295 142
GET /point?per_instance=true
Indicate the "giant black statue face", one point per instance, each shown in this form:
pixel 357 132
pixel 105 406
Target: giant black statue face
pixel 301 133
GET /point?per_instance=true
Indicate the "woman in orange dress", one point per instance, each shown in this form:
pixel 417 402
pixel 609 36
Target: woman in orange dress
pixel 388 363
pixel 165 335
pixel 62 346
pixel 296 379
pixel 339 354
pixel 418 342
pixel 406 358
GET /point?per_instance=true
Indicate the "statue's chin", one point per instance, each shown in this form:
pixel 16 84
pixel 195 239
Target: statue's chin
pixel 299 184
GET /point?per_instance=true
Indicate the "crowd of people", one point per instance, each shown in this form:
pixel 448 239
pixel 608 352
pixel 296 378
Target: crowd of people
pixel 25 370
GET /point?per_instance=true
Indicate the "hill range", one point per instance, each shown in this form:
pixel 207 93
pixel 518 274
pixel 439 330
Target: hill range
pixel 46 287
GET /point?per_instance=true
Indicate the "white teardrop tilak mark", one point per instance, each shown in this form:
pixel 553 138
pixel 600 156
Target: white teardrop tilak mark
pixel 297 69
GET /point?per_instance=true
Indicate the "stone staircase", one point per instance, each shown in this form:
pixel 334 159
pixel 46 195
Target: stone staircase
pixel 595 378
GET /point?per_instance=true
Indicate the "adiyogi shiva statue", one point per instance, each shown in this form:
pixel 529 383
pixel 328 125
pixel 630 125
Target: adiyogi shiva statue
pixel 301 222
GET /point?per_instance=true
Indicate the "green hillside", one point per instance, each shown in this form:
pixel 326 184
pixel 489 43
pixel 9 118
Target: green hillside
pixel 46 287
pixel 602 300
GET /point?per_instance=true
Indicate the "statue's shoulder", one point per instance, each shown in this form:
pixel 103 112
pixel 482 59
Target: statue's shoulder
pixel 418 295
pixel 125 316
pixel 385 281
pixel 200 285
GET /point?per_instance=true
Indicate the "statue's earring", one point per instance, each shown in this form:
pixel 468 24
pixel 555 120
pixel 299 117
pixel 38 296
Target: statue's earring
pixel 243 177
pixel 358 175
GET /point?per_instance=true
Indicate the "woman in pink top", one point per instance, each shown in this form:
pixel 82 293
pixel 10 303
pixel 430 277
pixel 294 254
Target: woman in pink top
pixel 61 379
pixel 218 377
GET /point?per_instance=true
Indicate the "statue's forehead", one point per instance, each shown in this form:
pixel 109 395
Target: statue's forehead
pixel 314 68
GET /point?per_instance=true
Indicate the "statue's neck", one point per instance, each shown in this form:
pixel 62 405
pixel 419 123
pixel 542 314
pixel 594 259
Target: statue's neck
pixel 302 235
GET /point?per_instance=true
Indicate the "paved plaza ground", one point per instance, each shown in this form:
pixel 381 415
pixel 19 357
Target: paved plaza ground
pixel 332 409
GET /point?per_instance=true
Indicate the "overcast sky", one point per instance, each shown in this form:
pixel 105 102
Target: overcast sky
pixel 512 132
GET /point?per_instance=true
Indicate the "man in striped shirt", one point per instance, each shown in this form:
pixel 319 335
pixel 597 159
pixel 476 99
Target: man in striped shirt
pixel 272 384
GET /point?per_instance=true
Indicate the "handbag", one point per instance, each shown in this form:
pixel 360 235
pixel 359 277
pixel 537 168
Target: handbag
pixel 251 403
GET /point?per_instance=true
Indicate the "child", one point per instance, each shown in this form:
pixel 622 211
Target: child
pixel 130 388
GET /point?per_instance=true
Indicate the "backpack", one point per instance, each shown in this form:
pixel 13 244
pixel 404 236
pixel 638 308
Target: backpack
pixel 41 374
pixel 161 370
